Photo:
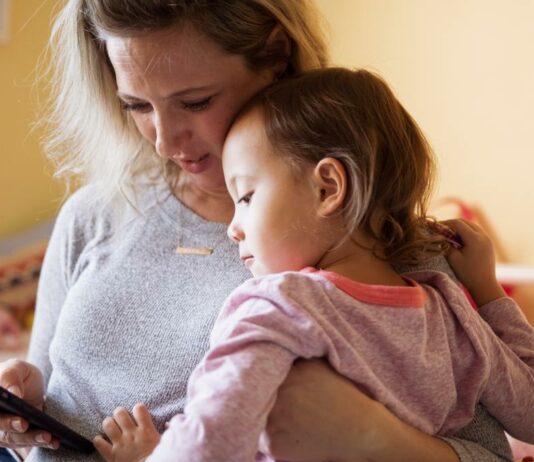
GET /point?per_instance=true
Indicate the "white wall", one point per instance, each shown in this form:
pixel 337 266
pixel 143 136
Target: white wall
pixel 465 71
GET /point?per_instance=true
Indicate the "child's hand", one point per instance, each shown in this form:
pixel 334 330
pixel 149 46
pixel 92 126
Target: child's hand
pixel 474 263
pixel 131 438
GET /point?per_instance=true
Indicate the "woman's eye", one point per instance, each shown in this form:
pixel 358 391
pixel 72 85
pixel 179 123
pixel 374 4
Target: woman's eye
pixel 245 199
pixel 135 107
pixel 197 105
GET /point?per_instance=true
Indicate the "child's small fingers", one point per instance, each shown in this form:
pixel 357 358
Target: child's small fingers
pixel 103 447
pixel 123 418
pixel 467 227
pixel 142 416
pixel 111 429
pixel 456 225
pixel 450 234
pixel 454 257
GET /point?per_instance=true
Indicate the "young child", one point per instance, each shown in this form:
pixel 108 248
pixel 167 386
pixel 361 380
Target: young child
pixel 330 176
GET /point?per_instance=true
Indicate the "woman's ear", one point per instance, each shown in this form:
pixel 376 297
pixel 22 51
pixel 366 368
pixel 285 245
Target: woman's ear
pixel 278 39
pixel 330 182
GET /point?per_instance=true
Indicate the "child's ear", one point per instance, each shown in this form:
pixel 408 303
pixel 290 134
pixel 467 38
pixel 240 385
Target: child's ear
pixel 330 180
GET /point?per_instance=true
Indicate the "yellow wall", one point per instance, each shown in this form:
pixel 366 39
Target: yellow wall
pixel 465 70
pixel 27 192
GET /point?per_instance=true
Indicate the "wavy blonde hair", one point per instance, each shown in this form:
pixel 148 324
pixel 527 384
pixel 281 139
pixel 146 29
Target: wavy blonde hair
pixel 91 140
pixel 353 116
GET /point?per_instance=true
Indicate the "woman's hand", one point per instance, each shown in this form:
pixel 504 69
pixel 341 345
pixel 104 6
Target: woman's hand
pixel 321 416
pixel 474 263
pixel 25 381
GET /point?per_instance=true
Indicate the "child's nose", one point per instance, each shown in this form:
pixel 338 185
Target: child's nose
pixel 235 233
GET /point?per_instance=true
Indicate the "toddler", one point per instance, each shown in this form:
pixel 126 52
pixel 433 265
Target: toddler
pixel 330 177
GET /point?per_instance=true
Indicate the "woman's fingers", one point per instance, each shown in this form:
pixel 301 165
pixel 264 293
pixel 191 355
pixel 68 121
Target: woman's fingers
pixel 24 381
pixel 30 438
pixel 11 376
pixel 10 423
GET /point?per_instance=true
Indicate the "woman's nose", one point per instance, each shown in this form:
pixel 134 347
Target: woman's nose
pixel 172 136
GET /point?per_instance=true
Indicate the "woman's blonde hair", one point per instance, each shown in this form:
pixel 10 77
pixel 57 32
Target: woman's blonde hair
pixel 353 116
pixel 91 139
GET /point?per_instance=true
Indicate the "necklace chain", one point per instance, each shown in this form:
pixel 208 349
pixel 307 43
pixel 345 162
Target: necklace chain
pixel 179 187
pixel 187 250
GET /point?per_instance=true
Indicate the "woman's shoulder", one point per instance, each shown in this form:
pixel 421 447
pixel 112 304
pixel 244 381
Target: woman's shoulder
pixel 82 216
pixel 80 201
pixel 81 208
pixel 87 214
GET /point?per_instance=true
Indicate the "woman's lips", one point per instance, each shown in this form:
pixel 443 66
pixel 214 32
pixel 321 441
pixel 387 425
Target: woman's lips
pixel 194 166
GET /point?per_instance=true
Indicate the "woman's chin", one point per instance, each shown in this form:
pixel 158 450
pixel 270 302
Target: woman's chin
pixel 211 179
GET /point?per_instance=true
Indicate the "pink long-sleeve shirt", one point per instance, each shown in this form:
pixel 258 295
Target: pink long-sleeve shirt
pixel 421 350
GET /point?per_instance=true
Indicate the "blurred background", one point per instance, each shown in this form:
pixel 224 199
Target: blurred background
pixel 462 68
pixel 28 196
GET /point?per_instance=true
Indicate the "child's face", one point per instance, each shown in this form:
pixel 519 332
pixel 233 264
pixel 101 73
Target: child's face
pixel 275 221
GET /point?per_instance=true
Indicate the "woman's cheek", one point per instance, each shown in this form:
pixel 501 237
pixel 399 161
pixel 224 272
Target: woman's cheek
pixel 145 127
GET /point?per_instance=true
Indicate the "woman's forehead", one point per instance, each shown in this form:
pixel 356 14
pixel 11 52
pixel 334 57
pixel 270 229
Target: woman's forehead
pixel 177 47
pixel 177 59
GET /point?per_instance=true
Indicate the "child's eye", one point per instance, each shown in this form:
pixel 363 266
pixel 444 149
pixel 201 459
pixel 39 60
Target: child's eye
pixel 246 198
pixel 197 105
pixel 135 107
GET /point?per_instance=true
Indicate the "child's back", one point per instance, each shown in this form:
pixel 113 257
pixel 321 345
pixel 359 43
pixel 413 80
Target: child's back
pixel 419 349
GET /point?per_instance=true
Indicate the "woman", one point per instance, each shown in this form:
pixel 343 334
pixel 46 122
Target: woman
pixel 139 264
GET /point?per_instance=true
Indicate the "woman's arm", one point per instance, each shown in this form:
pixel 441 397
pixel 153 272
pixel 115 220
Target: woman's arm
pixel 31 378
pixel 320 416
pixel 52 290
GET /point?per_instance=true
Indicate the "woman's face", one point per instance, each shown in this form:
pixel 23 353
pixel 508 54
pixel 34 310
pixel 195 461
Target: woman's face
pixel 183 91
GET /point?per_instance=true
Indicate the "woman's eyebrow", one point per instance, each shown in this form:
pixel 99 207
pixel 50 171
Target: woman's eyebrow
pixel 176 94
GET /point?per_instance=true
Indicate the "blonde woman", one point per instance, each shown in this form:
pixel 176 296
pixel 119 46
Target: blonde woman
pixel 139 264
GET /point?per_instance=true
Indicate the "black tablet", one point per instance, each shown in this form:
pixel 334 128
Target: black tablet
pixel 68 438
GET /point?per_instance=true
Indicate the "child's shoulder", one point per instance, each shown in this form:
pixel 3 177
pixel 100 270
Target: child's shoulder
pixel 283 289
pixel 441 288
pixel 433 278
pixel 285 283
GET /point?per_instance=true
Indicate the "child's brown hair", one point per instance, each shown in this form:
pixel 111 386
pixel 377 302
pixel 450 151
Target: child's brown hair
pixel 353 116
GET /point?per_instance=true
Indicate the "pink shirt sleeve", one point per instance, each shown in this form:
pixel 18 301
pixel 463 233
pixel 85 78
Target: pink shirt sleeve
pixel 509 393
pixel 232 391
pixel 510 324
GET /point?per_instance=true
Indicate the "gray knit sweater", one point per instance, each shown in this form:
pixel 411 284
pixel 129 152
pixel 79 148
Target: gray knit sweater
pixel 121 318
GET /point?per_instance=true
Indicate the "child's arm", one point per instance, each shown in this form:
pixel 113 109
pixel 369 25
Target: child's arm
pixel 509 394
pixel 130 438
pixel 233 389
pixel 474 264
